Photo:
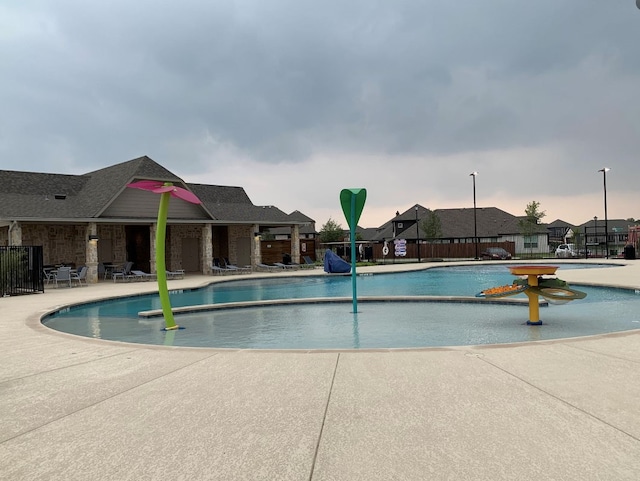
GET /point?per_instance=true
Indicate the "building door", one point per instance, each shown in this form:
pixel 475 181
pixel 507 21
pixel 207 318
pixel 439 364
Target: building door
pixel 244 251
pixel 191 254
pixel 105 250
pixel 139 246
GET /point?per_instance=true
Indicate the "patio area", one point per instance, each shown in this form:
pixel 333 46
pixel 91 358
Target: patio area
pixel 80 409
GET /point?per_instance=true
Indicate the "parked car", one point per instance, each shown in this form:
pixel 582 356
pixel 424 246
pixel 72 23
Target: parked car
pixel 495 253
pixel 566 251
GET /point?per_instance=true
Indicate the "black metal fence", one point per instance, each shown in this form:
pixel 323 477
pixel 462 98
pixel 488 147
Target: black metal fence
pixel 21 270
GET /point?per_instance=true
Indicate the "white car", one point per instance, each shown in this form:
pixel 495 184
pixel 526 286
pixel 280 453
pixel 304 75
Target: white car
pixel 566 250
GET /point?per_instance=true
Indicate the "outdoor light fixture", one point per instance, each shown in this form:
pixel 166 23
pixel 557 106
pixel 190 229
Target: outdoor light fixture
pixel 93 239
pixel 604 171
pixel 418 233
pixel 475 220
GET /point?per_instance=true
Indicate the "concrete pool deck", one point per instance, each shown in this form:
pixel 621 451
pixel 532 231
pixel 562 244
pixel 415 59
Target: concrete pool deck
pixel 81 409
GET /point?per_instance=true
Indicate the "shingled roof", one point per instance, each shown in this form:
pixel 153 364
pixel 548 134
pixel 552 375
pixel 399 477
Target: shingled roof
pixel 32 196
pixel 233 205
pixel 491 221
pixel 456 223
pixel 307 225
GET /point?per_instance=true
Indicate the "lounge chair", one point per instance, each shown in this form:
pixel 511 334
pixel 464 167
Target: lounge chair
pixel 234 268
pixel 176 274
pixel 80 276
pixel 63 274
pixel 143 276
pixel 286 266
pixel 124 273
pixel 308 263
pixel 268 268
pixel 217 270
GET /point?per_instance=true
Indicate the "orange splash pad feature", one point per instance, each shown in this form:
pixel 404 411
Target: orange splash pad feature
pixel 532 272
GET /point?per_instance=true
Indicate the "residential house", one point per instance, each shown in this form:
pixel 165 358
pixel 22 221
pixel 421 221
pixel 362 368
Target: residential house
pixel 592 234
pixel 560 232
pixel 459 228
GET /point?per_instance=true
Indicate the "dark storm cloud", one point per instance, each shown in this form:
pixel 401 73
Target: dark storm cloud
pixel 89 84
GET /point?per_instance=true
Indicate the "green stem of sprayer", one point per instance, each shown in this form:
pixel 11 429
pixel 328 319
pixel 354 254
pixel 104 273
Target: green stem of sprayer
pixel 352 226
pixel 161 269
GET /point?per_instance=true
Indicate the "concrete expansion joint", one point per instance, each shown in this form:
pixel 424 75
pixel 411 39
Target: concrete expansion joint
pixel 324 418
pixel 599 353
pixel 562 401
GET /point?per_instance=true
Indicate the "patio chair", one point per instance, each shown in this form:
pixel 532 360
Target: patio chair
pixel 80 276
pixel 49 275
pixel 63 274
pixel 141 275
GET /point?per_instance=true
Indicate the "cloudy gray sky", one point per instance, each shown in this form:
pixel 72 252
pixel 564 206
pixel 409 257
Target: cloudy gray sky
pixel 295 100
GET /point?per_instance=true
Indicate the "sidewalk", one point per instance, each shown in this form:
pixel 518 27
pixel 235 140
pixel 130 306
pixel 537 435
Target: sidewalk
pixel 80 409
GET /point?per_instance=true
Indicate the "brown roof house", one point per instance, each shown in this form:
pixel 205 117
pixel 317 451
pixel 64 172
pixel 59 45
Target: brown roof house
pixel 459 227
pixel 94 219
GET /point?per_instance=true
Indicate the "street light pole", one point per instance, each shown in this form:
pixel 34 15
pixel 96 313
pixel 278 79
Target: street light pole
pixel 418 234
pixel 595 237
pixel 475 219
pixel 604 171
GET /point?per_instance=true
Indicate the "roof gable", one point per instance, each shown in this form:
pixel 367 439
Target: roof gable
pixel 300 217
pixel 103 186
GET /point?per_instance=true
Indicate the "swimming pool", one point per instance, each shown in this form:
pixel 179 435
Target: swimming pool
pixel 334 326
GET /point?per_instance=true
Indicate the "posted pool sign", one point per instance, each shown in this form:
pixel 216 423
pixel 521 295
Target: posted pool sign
pixel 400 247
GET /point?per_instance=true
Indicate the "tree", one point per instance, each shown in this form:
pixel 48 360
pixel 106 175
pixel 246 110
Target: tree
pixel 267 235
pixel 431 227
pixel 529 224
pixel 580 240
pixel 331 232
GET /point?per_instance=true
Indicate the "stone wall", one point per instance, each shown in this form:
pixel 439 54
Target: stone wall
pixel 174 243
pixel 61 244
pixel 236 232
pixel 116 237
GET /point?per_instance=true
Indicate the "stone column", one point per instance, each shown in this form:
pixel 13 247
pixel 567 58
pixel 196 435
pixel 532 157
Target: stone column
pixel 295 244
pixel 207 249
pixel 91 253
pixel 152 247
pixel 15 233
pixel 256 255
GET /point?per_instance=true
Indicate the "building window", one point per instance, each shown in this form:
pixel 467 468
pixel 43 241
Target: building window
pixel 530 242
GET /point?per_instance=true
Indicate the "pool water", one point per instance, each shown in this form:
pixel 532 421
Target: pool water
pixel 334 325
